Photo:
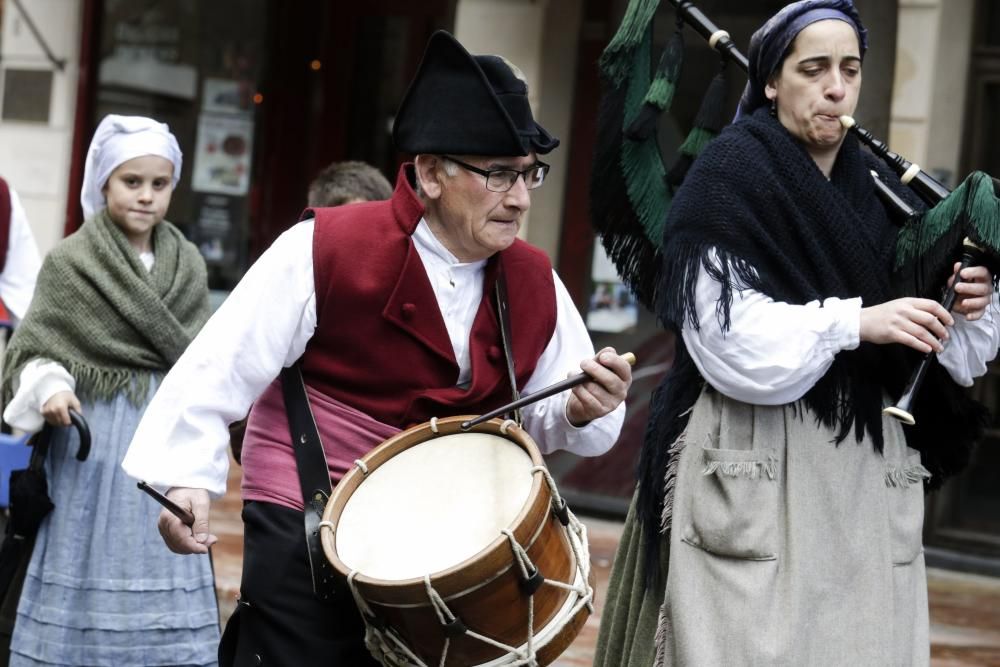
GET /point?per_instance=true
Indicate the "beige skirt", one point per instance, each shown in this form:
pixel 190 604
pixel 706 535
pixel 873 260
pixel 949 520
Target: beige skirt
pixel 785 549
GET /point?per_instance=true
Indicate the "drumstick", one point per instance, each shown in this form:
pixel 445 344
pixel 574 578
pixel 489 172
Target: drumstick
pixel 175 509
pixel 569 383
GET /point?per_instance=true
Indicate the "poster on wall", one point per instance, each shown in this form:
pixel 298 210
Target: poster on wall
pixel 222 155
pixel 226 96
pixel 220 235
pixel 214 225
pixel 612 308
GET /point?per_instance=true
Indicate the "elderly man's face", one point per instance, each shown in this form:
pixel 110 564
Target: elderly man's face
pixel 471 221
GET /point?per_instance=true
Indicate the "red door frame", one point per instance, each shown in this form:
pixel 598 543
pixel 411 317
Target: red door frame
pixel 83 116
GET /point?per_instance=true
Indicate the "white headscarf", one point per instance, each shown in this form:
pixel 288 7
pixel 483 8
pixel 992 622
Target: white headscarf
pixel 118 139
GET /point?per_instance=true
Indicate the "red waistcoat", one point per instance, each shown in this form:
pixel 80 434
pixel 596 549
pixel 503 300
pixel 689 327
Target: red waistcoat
pixel 381 345
pixel 6 212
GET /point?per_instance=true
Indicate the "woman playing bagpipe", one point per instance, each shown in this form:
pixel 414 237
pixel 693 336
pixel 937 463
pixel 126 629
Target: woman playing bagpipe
pixel 788 508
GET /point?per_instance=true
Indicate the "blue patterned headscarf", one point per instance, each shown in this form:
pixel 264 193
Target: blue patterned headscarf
pixel 769 45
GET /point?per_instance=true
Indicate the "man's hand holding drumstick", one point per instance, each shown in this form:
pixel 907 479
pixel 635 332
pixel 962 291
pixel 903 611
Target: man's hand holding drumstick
pixel 610 379
pixel 180 537
pixel 603 386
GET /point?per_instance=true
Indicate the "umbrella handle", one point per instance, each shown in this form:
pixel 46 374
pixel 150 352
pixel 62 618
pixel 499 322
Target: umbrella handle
pixel 84 430
pixel 40 441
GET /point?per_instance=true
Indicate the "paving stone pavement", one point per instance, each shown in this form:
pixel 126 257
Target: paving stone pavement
pixel 965 609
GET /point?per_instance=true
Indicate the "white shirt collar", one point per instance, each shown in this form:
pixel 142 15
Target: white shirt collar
pixel 431 249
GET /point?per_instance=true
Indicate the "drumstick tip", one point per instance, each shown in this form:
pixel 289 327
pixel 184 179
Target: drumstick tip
pixel 848 122
pixel 630 358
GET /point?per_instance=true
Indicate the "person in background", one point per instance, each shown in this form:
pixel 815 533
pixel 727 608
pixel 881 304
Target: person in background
pixel 348 182
pixel 779 513
pixel 116 305
pixel 339 183
pixel 388 308
pixel 19 264
pixel 19 258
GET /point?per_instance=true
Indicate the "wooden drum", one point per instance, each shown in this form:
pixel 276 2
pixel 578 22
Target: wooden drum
pixel 458 548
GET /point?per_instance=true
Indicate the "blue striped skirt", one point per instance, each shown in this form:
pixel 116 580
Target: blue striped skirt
pixel 102 589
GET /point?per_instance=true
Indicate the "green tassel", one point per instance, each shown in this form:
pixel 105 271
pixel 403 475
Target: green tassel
pixel 917 238
pixel 661 91
pixel 647 191
pixel 620 205
pixel 973 205
pixel 616 60
pixel 628 195
pixel 641 162
pixel 984 214
pixel 696 140
pixel 708 122
pixel 927 247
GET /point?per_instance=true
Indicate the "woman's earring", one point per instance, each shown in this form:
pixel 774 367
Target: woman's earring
pixel 774 107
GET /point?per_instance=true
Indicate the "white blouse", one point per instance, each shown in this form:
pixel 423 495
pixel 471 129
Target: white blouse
pixel 265 324
pixel 775 352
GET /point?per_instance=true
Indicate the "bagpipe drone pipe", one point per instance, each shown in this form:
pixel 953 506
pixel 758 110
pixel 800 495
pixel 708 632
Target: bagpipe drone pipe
pixel 632 187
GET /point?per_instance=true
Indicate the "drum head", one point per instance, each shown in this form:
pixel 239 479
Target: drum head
pixel 433 506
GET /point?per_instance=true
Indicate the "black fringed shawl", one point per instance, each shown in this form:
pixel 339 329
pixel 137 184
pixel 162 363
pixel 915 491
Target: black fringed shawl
pixel 780 228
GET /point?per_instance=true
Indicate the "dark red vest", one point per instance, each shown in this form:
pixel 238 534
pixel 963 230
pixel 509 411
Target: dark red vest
pixel 381 344
pixel 5 214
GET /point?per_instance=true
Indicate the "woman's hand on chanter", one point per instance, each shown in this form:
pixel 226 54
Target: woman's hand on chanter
pixel 974 294
pixel 917 323
pixel 183 539
pixel 56 410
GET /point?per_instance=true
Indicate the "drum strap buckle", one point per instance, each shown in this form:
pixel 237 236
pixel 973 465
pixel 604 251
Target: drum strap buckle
pixel 314 476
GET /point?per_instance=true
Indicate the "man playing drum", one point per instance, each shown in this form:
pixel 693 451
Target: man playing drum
pixel 389 307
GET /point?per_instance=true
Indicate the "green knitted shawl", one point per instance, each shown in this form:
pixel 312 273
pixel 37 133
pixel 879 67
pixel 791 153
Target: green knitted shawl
pixel 111 323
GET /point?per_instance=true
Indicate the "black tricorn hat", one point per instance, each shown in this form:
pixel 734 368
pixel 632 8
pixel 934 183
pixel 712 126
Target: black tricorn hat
pixel 467 105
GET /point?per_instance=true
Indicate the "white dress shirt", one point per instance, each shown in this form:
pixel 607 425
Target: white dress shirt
pixel 20 271
pixel 775 352
pixel 265 324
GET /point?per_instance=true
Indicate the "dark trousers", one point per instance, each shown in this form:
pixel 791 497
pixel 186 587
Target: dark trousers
pixel 279 621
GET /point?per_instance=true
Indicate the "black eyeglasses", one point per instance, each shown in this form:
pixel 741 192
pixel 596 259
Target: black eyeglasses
pixel 502 180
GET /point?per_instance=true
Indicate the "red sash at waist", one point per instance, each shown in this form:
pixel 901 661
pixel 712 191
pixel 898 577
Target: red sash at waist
pixel 269 470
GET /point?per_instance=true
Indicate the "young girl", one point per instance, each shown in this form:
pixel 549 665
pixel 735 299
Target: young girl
pixel 116 304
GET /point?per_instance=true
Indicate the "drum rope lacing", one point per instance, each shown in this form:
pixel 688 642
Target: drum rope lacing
pixel 394 651
pixel 577 534
pixel 377 641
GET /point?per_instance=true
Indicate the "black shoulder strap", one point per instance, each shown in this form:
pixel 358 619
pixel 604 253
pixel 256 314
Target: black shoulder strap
pixel 503 311
pixel 314 475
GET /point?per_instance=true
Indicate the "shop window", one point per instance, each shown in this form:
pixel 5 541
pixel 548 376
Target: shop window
pixel 27 94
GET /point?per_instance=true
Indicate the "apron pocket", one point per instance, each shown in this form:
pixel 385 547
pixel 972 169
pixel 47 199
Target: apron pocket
pixel 905 487
pixel 734 504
